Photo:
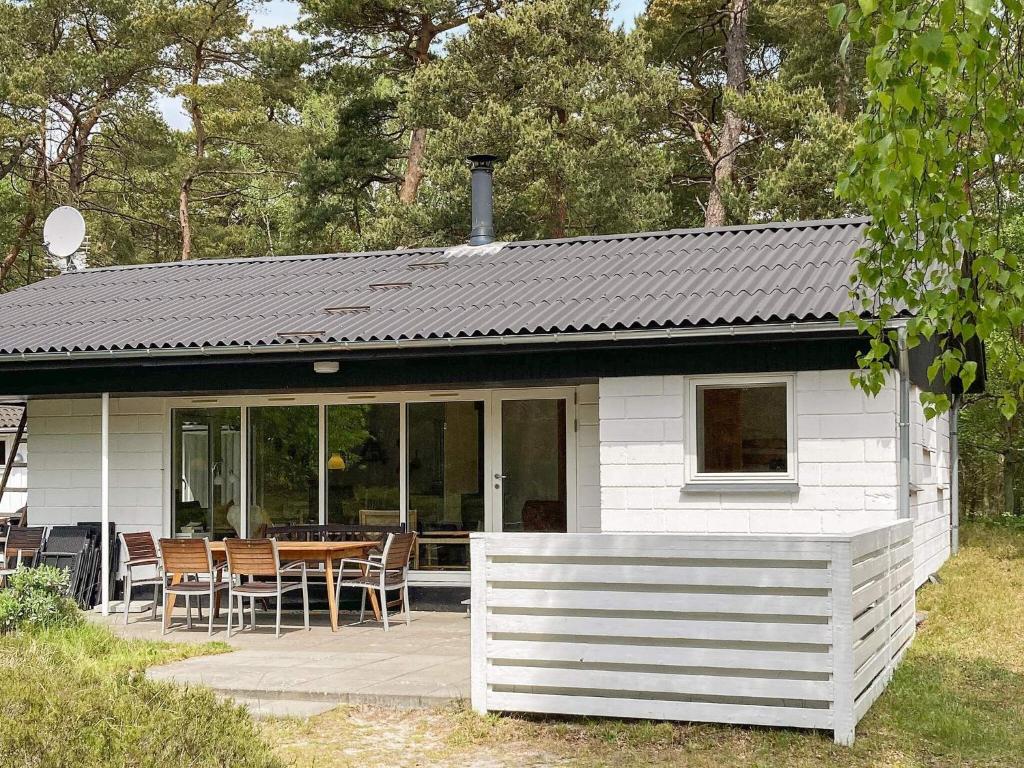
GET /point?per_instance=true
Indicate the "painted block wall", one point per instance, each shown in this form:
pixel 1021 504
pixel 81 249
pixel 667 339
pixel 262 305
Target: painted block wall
pixel 930 500
pixel 588 460
pixel 65 483
pixel 848 468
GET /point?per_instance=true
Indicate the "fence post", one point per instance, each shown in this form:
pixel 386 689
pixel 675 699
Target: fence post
pixel 844 722
pixel 478 622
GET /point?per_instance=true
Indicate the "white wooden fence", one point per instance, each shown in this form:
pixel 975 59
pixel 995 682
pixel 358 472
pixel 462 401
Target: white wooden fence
pixel 783 630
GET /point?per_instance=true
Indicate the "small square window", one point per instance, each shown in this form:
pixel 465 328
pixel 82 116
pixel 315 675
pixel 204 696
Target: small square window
pixel 741 430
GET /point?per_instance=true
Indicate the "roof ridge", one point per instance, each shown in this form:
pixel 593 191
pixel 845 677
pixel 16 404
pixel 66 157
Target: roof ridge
pixel 462 248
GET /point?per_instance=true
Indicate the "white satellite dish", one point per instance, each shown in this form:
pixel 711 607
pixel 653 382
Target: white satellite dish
pixel 64 232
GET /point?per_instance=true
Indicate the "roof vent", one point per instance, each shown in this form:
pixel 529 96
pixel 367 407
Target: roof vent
pixel 482 169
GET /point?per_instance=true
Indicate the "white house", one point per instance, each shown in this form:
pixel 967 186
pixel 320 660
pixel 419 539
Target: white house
pixel 678 382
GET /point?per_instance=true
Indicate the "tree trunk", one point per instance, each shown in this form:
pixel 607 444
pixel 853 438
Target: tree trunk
pixel 1009 471
pixel 735 82
pixel 413 177
pixel 195 112
pixel 413 167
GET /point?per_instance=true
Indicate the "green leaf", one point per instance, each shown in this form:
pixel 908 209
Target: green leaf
pixel 868 7
pixel 980 7
pixel 836 14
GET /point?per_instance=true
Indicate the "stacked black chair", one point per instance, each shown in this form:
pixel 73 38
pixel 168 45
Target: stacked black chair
pixel 115 559
pixel 75 549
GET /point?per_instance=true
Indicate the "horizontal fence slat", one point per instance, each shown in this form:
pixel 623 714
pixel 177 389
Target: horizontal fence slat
pixel 682 602
pixel 794 717
pixel 662 546
pixel 660 683
pixel 721 576
pixel 624 653
pixel 695 629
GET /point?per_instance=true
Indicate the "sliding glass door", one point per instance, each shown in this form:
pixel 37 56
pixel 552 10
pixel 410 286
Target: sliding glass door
pixel 284 466
pixel 363 464
pixel 446 466
pixel 447 489
pixel 207 471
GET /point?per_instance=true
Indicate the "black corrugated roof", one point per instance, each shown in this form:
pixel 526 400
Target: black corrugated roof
pixel 735 275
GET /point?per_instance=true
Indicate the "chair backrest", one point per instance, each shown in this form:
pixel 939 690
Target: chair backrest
pixel 184 556
pixel 70 539
pixel 252 557
pixel 139 546
pixel 398 550
pixel 27 540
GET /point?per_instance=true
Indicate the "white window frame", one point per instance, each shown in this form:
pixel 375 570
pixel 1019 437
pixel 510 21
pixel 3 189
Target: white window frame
pixel 739 480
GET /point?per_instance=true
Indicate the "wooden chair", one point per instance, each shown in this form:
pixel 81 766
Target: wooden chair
pixel 389 572
pixel 185 563
pixel 21 548
pixel 141 551
pixel 259 558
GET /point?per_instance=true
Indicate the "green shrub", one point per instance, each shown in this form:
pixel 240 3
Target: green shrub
pixel 37 598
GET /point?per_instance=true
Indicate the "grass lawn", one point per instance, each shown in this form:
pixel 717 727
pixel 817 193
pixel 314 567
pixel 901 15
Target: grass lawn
pixel 957 699
pixel 78 698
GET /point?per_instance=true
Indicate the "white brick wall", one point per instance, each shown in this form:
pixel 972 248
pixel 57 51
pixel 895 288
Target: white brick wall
pixel 847 459
pixel 588 461
pixel 65 485
pixel 929 499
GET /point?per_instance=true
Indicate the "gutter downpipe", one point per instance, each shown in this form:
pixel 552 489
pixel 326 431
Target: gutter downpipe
pixel 954 475
pixel 904 427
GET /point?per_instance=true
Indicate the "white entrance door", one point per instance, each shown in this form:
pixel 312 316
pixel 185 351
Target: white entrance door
pixel 533 466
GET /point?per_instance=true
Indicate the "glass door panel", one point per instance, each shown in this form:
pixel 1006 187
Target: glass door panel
pixel 284 458
pixel 207 467
pixel 364 464
pixel 446 480
pixel 532 467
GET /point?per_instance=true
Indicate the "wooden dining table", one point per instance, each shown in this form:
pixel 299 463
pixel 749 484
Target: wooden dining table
pixel 320 552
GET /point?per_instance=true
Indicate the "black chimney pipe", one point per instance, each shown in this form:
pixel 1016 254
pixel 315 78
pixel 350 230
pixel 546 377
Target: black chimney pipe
pixel 482 168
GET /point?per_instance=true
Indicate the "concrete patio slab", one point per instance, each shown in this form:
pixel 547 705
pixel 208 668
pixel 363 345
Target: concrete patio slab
pixel 306 672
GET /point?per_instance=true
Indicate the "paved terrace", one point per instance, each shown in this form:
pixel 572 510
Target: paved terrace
pixel 304 673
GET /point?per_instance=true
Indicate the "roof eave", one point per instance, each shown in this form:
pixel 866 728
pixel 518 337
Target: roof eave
pixel 576 337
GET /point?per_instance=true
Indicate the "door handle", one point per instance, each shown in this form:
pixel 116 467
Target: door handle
pixel 499 476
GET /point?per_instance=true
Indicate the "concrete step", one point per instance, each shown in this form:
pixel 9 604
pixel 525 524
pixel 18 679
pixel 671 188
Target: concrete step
pixel 263 708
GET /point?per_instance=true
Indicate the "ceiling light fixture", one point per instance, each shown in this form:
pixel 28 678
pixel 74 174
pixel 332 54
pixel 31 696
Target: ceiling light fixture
pixel 326 366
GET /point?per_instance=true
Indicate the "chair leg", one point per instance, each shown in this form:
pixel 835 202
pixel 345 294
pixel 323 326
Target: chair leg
pixel 405 604
pixel 127 594
pixel 209 628
pixel 188 611
pixel 277 625
pixel 305 601
pixel 384 607
pixel 231 607
pixel 168 597
pixel 156 599
pixel 362 607
pixel 252 611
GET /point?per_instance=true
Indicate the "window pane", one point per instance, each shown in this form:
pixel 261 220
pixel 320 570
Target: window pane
pixel 207 467
pixel 363 464
pixel 446 480
pixel 283 467
pixel 742 429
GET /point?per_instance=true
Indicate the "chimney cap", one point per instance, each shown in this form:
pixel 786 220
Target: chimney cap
pixel 482 160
